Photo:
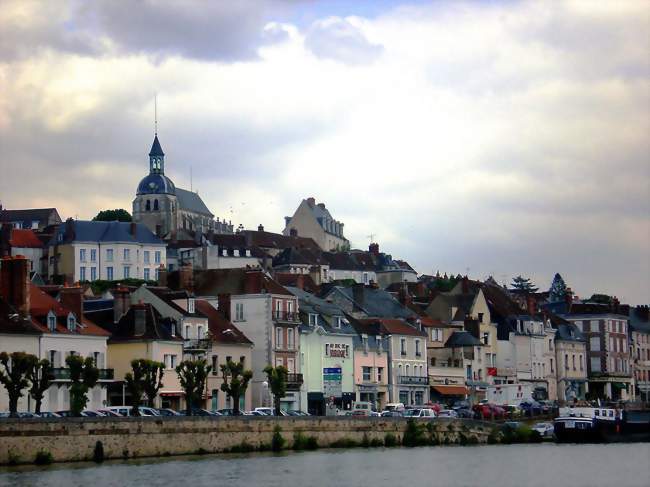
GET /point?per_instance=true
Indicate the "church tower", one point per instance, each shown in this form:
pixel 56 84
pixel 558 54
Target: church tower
pixel 155 203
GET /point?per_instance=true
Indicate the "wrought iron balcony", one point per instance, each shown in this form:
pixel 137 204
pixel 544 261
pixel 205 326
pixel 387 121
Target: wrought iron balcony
pixel 294 381
pixel 286 316
pixel 63 374
pixel 198 345
pixel 413 380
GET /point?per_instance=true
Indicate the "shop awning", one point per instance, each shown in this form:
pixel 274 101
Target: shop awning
pixel 451 390
pixel 619 385
pixel 171 394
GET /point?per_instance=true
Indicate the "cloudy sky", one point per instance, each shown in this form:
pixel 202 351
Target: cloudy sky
pixel 495 138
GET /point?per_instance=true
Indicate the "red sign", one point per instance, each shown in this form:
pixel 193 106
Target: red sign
pixel 492 371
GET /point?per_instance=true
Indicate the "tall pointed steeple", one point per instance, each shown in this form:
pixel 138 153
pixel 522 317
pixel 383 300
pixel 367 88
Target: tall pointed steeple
pixel 156 157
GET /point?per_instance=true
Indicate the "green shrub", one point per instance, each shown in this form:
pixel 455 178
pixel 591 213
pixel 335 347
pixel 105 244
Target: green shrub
pixel 390 440
pixel 414 434
pixel 494 437
pixel 14 458
pixel 43 457
pixel 277 441
pixel 200 451
pixel 98 452
pixel 344 443
pixel 299 441
pixel 243 447
pixel 312 443
pixel 365 442
pixel 376 442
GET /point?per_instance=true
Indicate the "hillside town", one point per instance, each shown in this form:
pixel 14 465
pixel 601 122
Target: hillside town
pixel 349 326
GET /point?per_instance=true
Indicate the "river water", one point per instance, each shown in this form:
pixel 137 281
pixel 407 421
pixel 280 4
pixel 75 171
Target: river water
pixel 617 465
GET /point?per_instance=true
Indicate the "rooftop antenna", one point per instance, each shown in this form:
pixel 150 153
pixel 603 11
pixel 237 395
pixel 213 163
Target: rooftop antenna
pixel 371 237
pixel 155 113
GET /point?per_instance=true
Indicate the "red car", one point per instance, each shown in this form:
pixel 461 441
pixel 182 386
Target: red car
pixel 489 411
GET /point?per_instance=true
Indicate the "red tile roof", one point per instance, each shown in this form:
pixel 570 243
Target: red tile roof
pixel 221 329
pixel 393 326
pixel 41 304
pixel 24 239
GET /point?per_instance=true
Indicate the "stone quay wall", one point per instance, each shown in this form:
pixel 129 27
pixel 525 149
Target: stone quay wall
pixel 75 439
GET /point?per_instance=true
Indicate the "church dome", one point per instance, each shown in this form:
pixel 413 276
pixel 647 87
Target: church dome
pixel 156 184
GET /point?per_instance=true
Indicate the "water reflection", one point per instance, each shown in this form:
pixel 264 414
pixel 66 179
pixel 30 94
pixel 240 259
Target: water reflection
pixel 621 465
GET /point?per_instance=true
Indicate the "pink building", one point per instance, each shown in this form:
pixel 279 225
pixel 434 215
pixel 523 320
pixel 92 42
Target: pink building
pixel 370 365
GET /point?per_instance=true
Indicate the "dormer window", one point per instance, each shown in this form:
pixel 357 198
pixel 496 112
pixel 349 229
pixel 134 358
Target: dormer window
pixel 313 319
pixel 190 305
pixel 338 321
pixel 72 322
pixel 51 321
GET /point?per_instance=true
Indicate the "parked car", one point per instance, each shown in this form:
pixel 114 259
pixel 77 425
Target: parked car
pixel 108 412
pixel 544 429
pixel 420 413
pixel 461 405
pixel 447 413
pixel 297 413
pixel 265 411
pixel 531 408
pixel 512 411
pixel 465 413
pixel 395 406
pixel 68 414
pixel 45 414
pixel 126 410
pixel 168 412
pixel 226 412
pixel 93 414
pixel 391 414
pixel 4 414
pixel 254 413
pixel 488 411
pixel 27 415
pixel 202 412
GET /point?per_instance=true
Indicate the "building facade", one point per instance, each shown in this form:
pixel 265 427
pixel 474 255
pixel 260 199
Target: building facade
pixel 315 221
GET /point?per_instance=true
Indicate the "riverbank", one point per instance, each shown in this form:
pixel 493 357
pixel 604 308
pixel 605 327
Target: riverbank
pixel 81 439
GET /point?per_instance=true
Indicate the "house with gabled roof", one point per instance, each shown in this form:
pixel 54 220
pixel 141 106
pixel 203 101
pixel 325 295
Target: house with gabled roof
pixel 33 218
pixel 315 221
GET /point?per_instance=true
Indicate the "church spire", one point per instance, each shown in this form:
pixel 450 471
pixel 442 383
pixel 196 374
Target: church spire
pixel 156 157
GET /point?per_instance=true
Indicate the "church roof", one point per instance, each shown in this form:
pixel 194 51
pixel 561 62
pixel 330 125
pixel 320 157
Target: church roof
pixel 156 150
pixel 156 184
pixel 190 201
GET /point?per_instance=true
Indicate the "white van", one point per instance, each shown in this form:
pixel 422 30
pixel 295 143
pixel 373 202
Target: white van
pixel 395 406
pixel 362 408
pixel 126 411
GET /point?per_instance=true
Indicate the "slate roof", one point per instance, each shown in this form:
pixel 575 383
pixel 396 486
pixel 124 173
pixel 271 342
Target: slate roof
pixel 639 319
pixel 292 279
pixel 168 296
pixel 93 231
pixel 221 329
pixel 12 323
pixel 24 239
pixel 213 282
pixel 391 326
pixel 191 201
pixel 310 304
pixel 156 149
pixel 28 215
pixel 462 339
pixel 277 240
pixel 375 303
pixel 156 327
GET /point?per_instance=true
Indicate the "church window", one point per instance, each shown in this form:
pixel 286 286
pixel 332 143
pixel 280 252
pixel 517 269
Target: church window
pixel 148 206
pixel 155 205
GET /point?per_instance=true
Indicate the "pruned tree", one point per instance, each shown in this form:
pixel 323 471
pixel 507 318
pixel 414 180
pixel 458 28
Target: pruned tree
pixel 14 376
pixel 41 376
pixel 134 383
pixel 277 378
pixel 235 382
pixel 153 375
pixel 192 375
pixel 524 284
pixel 558 289
pixel 84 375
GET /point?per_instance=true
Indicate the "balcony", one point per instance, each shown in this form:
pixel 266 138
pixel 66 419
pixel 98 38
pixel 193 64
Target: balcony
pixel 286 316
pixel 413 380
pixel 63 374
pixel 198 345
pixel 294 382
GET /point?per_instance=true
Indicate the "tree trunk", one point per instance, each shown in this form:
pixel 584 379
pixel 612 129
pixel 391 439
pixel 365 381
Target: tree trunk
pixel 235 406
pixel 37 409
pixel 276 400
pixel 13 406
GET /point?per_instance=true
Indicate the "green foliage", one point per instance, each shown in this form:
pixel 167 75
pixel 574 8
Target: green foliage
pixel 43 457
pixel 344 443
pixel 302 442
pixel 13 458
pixel 201 451
pixel 277 441
pixel 277 378
pixel 41 376
pixel 243 447
pixel 494 437
pixel 365 442
pixel 83 377
pixel 523 284
pixel 558 290
pixel 119 215
pixel 14 376
pixel 601 299
pixel 376 442
pixel 192 375
pixel 235 382
pixel 390 440
pixel 98 452
pixel 523 434
pixel 146 379
pixel 414 435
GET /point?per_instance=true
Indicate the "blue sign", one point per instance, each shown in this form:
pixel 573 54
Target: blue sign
pixel 332 370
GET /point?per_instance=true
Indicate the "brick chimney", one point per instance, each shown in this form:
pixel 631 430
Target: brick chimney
pixel 132 228
pixel 311 201
pixel 321 206
pixel 260 228
pixel 69 229
pixel 252 282
pixel 569 299
pixel 404 296
pixel 373 248
pixel 72 299
pixel 465 285
pixel 223 305
pixel 531 305
pixel 162 276
pixel 139 319
pixel 643 312
pixel 300 281
pixel 121 303
pixel 15 283
pixel 421 289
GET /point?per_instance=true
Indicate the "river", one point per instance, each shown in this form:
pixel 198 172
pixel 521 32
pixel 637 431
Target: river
pixel 543 465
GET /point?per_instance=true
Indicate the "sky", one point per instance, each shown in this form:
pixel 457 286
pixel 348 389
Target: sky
pixel 482 138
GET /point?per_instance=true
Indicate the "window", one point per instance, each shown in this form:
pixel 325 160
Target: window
pixel 93 273
pixel 51 321
pixel 480 317
pixel 127 271
pixel 72 322
pixel 155 205
pixel 239 311
pixel 594 344
pixel 199 332
pixel 365 278
pixel 147 274
pixel 380 374
pixel 595 364
pixel 109 273
pixel 436 334
pixel 82 273
pixel 170 361
pixel 313 319
pixel 82 255
pixel 367 374
pixel 52 357
pixel 187 332
pixel 566 361
pixel 148 204
pixel 573 359
pixel 552 371
pixel 338 321
pixel 127 255
pixel 146 256
pixel 190 305
pixel 403 346
pixel 408 369
pixel 418 352
pixel 550 344
pixel 486 338
pixel 278 338
pixel 93 255
pixel 109 255
pixel 156 257
pixel 290 339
